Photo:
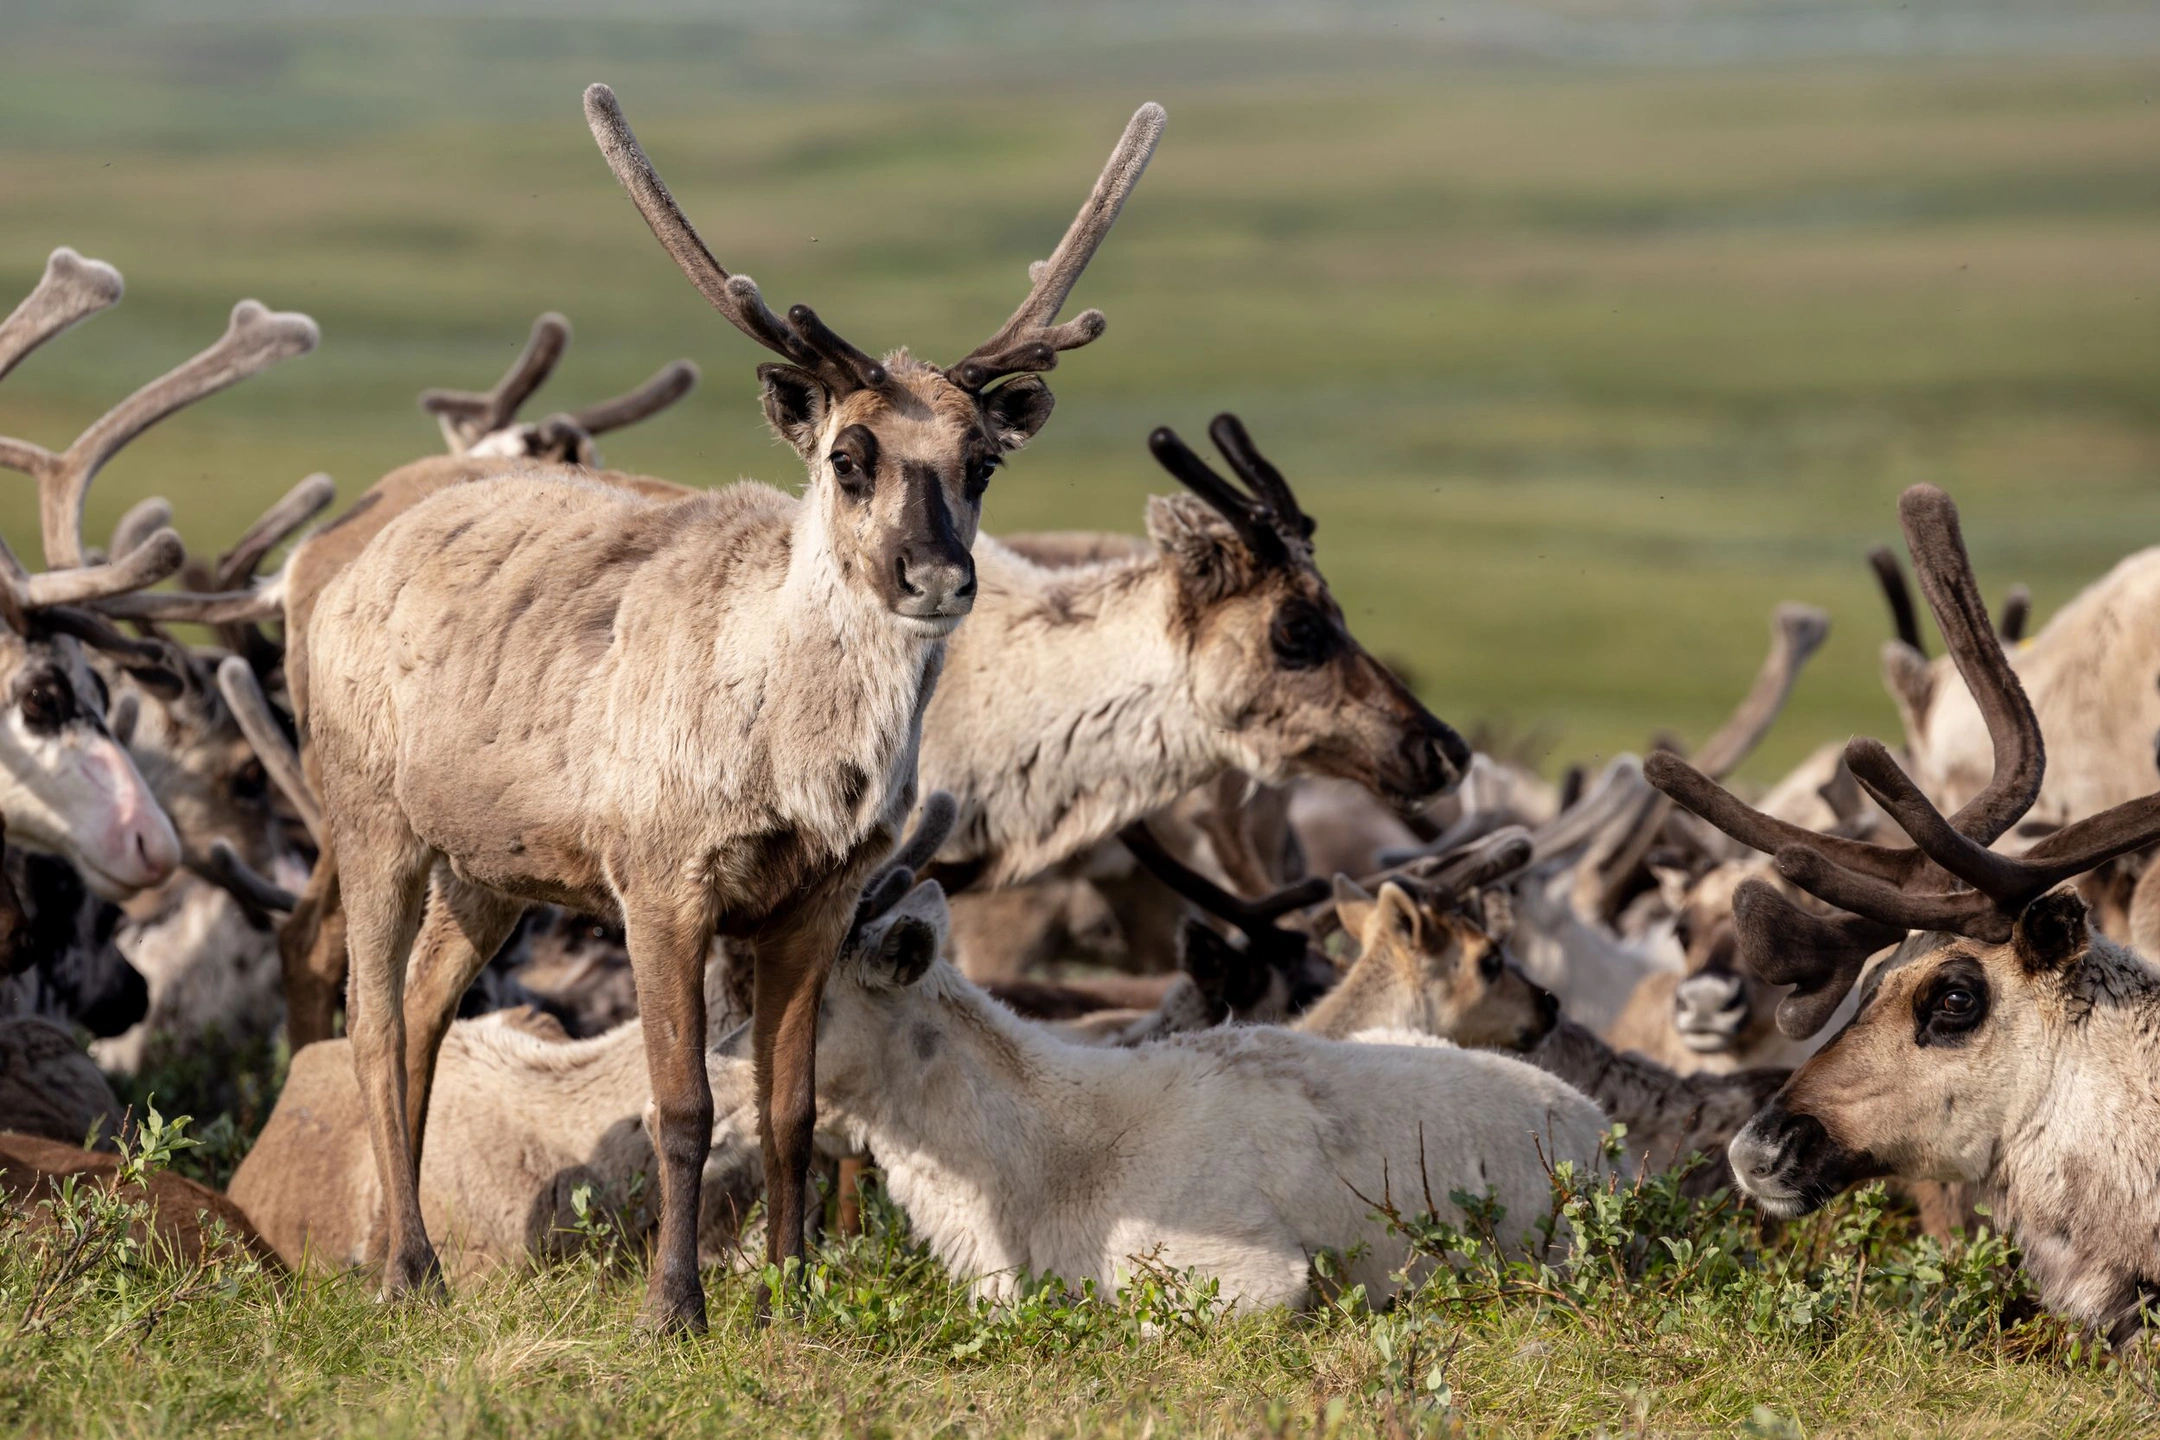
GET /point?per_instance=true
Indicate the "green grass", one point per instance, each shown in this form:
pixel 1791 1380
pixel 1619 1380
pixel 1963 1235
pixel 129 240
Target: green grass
pixel 1582 369
pixel 1844 1324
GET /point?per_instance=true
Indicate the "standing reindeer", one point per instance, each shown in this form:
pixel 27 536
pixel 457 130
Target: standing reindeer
pixel 2002 1043
pixel 694 715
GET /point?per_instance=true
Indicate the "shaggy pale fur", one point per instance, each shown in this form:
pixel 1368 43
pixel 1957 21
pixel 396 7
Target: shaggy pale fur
pixel 1082 697
pixel 1237 1153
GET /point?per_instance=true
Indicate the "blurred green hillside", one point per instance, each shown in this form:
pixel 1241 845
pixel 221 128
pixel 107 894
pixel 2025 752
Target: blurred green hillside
pixel 1583 356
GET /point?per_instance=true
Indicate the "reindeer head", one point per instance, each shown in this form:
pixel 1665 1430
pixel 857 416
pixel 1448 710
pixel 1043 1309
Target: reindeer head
pixel 1719 1005
pixel 66 786
pixel 1276 668
pixel 899 450
pixel 1924 1080
pixel 1456 976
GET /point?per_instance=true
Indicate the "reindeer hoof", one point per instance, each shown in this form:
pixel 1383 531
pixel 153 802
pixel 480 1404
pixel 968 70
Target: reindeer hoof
pixel 414 1273
pixel 674 1309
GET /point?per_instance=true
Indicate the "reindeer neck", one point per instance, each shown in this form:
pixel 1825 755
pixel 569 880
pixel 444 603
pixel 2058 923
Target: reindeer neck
pixel 1065 712
pixel 977 1118
pixel 1371 997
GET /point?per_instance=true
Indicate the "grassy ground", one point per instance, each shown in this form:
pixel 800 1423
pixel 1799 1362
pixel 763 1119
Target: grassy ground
pixel 1582 368
pixel 1845 1325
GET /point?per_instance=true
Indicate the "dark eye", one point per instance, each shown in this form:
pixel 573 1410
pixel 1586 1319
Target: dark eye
pixel 979 474
pixel 1953 1004
pixel 851 475
pixel 1300 636
pixel 250 781
pixel 47 705
pixel 1489 965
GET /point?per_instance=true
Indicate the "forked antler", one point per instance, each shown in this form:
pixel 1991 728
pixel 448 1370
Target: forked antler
pixel 1265 514
pixel 71 291
pixel 1028 341
pixel 1948 879
pixel 1031 339
pixel 467 415
pixel 802 339
pixel 255 339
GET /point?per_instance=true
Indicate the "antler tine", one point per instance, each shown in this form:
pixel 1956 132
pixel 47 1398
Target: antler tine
pixel 1696 791
pixel 255 339
pixel 251 712
pixel 671 384
pixel 225 607
pixel 1937 543
pixel 1497 856
pixel 224 868
pixel 736 297
pixel 1796 633
pixel 1265 481
pixel 1255 918
pixel 1245 515
pixel 151 561
pixel 466 415
pixel 300 504
pixel 2016 613
pixel 1028 340
pixel 71 290
pixel 143 519
pixel 1891 576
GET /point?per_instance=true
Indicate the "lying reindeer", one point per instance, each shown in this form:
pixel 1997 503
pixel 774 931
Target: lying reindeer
pixel 2002 1043
pixel 1237 1153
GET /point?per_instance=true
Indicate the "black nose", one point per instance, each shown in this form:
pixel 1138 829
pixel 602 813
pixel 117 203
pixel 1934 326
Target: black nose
pixel 934 585
pixel 1438 759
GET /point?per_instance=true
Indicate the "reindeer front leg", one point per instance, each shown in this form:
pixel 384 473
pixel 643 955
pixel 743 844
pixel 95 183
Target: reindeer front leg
pixel 668 941
pixel 794 955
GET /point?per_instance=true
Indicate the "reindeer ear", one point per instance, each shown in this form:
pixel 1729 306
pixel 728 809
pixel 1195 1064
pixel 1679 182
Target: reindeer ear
pixel 1910 680
pixel 795 404
pixel 911 936
pixel 1017 409
pixel 1353 906
pixel 1396 914
pixel 1213 563
pixel 2052 933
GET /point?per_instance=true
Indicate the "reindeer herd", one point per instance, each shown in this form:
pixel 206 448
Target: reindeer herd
pixel 581 795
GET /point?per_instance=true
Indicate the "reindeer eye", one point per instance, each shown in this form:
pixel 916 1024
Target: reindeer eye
pixel 1300 637
pixel 1953 1005
pixel 1489 964
pixel 47 705
pixel 979 474
pixel 250 781
pixel 850 473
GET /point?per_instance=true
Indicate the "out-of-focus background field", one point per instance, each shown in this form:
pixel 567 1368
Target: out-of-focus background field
pixel 1588 331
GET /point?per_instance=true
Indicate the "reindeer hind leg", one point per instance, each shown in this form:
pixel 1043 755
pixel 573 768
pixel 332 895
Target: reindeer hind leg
pixel 383 878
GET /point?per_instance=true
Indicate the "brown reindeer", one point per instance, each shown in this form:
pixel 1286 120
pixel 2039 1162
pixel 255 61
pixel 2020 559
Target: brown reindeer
pixel 692 716
pixel 2002 1044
